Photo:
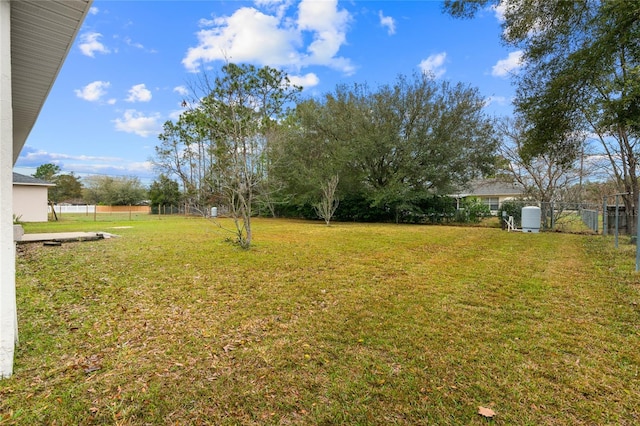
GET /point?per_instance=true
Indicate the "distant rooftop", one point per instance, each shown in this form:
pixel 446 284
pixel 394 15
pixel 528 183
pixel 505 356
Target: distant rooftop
pixel 19 179
pixel 492 187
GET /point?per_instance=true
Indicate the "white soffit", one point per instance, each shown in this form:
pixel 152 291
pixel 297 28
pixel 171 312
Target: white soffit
pixel 42 32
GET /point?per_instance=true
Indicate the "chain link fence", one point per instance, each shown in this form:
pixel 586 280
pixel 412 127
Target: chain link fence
pixel 563 217
pixel 598 218
pixel 568 217
pixel 189 210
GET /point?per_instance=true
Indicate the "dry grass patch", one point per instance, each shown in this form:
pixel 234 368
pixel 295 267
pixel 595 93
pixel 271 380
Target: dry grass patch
pixel 348 324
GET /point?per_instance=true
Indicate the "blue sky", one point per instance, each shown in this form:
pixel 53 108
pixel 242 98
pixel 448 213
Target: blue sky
pixel 133 61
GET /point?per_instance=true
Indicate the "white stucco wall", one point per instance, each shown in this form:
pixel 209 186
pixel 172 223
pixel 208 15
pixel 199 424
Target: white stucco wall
pixel 30 203
pixel 8 313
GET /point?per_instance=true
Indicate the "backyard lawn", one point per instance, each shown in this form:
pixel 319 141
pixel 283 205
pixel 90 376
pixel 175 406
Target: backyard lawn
pixel 357 324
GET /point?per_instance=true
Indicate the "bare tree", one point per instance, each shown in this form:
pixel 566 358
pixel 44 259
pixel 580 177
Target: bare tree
pixel 547 177
pixel 328 203
pixel 542 176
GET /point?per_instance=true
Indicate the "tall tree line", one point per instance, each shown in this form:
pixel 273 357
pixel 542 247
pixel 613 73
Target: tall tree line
pixel 393 147
pixel 250 142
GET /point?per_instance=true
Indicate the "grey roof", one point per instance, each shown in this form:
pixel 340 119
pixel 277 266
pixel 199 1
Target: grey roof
pixel 19 179
pixel 493 187
pixel 42 33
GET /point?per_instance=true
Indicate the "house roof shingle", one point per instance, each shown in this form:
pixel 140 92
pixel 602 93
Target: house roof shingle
pixel 492 187
pixel 19 179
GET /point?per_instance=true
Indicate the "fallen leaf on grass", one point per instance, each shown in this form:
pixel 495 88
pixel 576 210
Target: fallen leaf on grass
pixel 486 412
pixel 91 369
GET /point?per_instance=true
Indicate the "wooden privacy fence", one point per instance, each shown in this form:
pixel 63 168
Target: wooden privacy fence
pixel 123 209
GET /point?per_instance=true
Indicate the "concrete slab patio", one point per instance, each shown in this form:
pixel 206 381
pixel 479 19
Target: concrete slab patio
pixel 64 237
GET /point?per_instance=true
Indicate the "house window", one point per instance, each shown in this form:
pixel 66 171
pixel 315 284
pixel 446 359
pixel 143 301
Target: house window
pixel 492 202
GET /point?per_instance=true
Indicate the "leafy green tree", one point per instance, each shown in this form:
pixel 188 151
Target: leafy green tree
pixel 94 191
pixel 581 74
pixel 47 172
pixel 306 156
pixel 114 191
pixel 392 146
pixel 221 144
pixel 245 102
pixel 68 188
pixel 164 192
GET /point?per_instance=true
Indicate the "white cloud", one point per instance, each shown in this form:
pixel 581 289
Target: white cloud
pixel 269 3
pixel 175 114
pixel 234 38
pixel 388 22
pixel 139 167
pixel 329 27
pixel 114 167
pixel 207 22
pixel 139 93
pixel 306 81
pixel 33 157
pixel 92 92
pixel 510 65
pixel 119 167
pixel 181 90
pixel 132 43
pixel 30 158
pixel 133 121
pixel 499 10
pixel 278 6
pixel 90 44
pixel 93 10
pixel 498 100
pixel 281 38
pixel 434 64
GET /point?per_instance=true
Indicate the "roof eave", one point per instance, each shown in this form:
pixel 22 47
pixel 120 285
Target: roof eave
pixel 39 26
pixel 48 185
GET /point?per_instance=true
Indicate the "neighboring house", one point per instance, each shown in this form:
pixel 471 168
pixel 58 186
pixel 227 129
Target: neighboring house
pixel 492 192
pixel 30 198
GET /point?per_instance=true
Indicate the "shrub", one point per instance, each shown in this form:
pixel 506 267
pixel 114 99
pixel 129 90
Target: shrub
pixel 472 211
pixel 512 208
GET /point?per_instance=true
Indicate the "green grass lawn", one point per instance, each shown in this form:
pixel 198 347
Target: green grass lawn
pixel 361 324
